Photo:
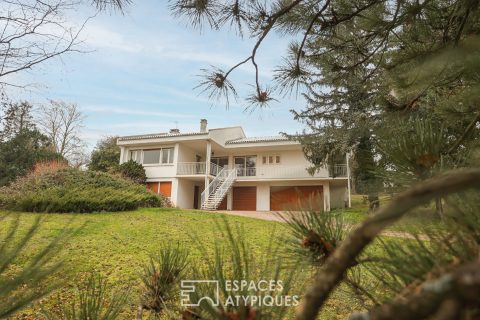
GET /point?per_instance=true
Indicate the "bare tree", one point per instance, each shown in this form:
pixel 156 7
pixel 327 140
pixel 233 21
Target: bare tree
pixel 33 31
pixel 62 122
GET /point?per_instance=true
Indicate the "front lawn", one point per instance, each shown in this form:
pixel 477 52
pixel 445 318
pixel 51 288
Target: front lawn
pixel 118 244
pixel 420 218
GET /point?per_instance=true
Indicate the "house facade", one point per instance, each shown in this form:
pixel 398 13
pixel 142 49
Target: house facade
pixel 222 169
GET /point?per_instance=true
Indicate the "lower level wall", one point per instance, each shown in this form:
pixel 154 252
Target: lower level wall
pixel 335 192
pixel 185 193
pixel 338 195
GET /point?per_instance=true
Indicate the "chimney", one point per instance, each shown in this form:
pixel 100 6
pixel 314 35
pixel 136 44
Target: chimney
pixel 203 125
pixel 174 131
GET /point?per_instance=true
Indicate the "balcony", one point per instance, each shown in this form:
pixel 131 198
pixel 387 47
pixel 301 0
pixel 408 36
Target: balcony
pixel 196 168
pixel 290 172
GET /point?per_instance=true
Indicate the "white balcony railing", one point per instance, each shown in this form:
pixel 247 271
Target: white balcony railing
pixel 264 172
pixel 290 172
pixel 196 168
pixel 191 168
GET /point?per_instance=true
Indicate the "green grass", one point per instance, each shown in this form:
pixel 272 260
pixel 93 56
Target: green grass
pixel 117 245
pixel 420 218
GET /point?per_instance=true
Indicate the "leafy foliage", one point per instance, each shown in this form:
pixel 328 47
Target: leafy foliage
pixel 72 190
pixel 132 170
pixel 106 155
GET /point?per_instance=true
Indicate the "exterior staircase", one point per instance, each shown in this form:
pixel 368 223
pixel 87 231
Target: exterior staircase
pixel 216 190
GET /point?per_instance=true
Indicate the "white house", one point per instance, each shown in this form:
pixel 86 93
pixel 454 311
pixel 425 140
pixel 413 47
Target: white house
pixel 223 169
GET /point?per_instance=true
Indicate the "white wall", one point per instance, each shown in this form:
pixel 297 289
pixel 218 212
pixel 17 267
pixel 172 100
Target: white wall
pixel 338 194
pixel 186 154
pixel 263 197
pixel 185 193
pixel 292 165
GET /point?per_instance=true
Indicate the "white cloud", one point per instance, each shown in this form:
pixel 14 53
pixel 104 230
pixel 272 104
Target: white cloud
pixel 134 111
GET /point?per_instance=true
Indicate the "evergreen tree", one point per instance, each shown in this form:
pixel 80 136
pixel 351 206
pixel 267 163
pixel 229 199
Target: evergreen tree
pixel 106 155
pixel 16 119
pixel 21 144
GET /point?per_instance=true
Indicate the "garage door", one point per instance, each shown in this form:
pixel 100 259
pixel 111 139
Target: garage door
pixel 290 198
pixel 245 198
pixel 166 188
pixel 153 186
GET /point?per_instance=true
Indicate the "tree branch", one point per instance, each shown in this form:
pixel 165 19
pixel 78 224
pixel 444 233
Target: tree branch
pixel 342 258
pixel 447 293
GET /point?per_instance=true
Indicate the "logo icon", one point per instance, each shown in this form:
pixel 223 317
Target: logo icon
pixel 199 287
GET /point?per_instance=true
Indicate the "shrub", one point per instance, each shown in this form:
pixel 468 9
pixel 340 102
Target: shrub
pixel 161 277
pixel 133 170
pixel 72 190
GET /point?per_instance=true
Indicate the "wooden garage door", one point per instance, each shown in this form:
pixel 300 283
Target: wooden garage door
pixel 291 198
pixel 245 198
pixel 153 186
pixel 166 188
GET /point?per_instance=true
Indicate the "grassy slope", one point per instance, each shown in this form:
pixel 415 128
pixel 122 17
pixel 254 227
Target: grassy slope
pixel 422 217
pixel 116 244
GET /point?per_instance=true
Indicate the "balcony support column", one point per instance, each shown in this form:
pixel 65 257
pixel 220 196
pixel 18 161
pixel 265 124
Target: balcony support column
pixel 326 196
pixel 122 155
pixel 208 160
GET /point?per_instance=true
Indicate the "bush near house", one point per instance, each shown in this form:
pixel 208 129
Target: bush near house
pixel 132 170
pixel 72 190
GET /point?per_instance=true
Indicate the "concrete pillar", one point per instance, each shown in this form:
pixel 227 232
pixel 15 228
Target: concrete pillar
pixel 208 159
pixel 122 155
pixel 326 196
pixel 230 199
pixel 174 197
pixel 263 197
pixel 176 151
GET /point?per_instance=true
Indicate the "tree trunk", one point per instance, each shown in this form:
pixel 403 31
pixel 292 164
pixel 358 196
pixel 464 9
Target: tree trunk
pixel 373 202
pixel 439 207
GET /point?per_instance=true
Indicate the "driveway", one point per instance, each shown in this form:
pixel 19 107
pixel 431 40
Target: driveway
pixel 273 216
pixel 262 215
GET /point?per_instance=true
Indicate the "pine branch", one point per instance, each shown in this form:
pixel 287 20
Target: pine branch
pixel 335 267
pixel 447 294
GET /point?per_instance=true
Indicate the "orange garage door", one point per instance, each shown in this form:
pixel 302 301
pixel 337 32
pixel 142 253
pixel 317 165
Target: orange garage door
pixel 245 198
pixel 164 188
pixel 153 186
pixel 290 198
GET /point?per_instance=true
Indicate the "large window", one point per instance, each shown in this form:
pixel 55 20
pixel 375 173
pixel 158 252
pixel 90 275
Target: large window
pixel 167 155
pixel 151 156
pixel 156 156
pixel 135 155
pixel 246 166
pixel 220 161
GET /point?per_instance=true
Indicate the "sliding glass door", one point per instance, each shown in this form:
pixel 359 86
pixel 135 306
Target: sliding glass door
pixel 246 166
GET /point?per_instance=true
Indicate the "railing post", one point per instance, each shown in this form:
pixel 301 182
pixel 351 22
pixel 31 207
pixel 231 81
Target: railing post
pixel 208 159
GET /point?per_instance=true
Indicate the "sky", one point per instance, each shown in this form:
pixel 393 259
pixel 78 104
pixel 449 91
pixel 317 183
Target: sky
pixel 139 71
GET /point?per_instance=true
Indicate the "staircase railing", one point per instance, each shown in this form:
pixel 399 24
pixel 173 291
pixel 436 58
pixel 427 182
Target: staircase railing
pixel 220 185
pixel 212 185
